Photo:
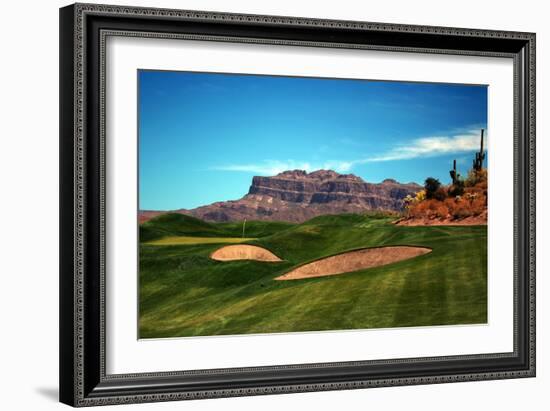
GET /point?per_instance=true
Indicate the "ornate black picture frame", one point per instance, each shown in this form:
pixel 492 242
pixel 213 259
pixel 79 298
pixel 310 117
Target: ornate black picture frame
pixel 83 30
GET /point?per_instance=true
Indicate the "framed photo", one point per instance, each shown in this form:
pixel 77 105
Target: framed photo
pixel 262 204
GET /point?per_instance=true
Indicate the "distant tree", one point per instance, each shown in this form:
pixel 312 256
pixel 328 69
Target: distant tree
pixel 431 185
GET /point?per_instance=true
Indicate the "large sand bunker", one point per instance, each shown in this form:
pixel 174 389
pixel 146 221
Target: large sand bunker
pixel 354 261
pixel 243 252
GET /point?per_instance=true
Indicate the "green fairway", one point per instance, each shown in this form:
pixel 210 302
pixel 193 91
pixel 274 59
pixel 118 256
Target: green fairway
pixel 185 293
pixel 175 240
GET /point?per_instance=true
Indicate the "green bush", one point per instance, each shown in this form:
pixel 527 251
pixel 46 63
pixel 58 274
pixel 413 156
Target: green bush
pixel 431 185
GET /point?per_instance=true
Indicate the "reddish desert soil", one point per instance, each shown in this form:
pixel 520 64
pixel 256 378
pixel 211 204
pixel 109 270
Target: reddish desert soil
pixel 243 252
pixel 473 220
pixel 354 261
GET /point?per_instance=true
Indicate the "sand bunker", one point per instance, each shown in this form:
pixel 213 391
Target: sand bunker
pixel 354 261
pixel 243 252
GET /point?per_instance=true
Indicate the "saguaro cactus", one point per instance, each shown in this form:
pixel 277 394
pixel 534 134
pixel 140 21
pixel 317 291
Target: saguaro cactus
pixel 480 156
pixel 455 176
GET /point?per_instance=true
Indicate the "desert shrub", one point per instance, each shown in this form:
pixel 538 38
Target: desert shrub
pixel 419 209
pixel 472 203
pixel 461 210
pixel 407 201
pixel 432 206
pixel 476 177
pixel 482 185
pixel 440 194
pixel 451 203
pixel 431 185
pixel 478 205
pixel 463 199
pixel 441 210
pixel 457 189
pixel 420 196
pixel 411 203
pixel 429 209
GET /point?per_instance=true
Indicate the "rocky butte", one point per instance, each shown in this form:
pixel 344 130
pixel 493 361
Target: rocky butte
pixel 297 196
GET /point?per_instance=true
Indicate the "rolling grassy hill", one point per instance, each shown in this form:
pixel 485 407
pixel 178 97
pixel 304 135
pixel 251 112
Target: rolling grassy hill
pixel 185 293
pixel 174 225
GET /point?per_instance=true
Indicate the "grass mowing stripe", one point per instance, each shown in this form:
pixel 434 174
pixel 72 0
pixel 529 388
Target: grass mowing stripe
pixel 184 293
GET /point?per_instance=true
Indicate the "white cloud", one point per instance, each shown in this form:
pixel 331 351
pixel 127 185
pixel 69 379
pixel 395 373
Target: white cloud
pixel 340 166
pixel 267 167
pixel 418 148
pixel 272 167
pixel 429 147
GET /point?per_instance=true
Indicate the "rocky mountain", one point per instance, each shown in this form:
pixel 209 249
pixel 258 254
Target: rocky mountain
pixel 297 196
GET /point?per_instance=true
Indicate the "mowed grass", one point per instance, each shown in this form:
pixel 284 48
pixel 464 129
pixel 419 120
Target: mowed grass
pixel 185 293
pixel 175 240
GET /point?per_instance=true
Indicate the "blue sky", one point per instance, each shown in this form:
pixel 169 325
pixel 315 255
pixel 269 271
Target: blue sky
pixel 203 136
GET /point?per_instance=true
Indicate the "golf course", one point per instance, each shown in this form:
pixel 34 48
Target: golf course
pixel 332 272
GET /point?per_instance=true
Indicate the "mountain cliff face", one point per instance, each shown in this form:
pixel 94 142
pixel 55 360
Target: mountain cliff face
pixel 297 196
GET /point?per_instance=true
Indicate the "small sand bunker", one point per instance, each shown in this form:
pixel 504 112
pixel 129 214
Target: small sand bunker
pixel 243 252
pixel 354 261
